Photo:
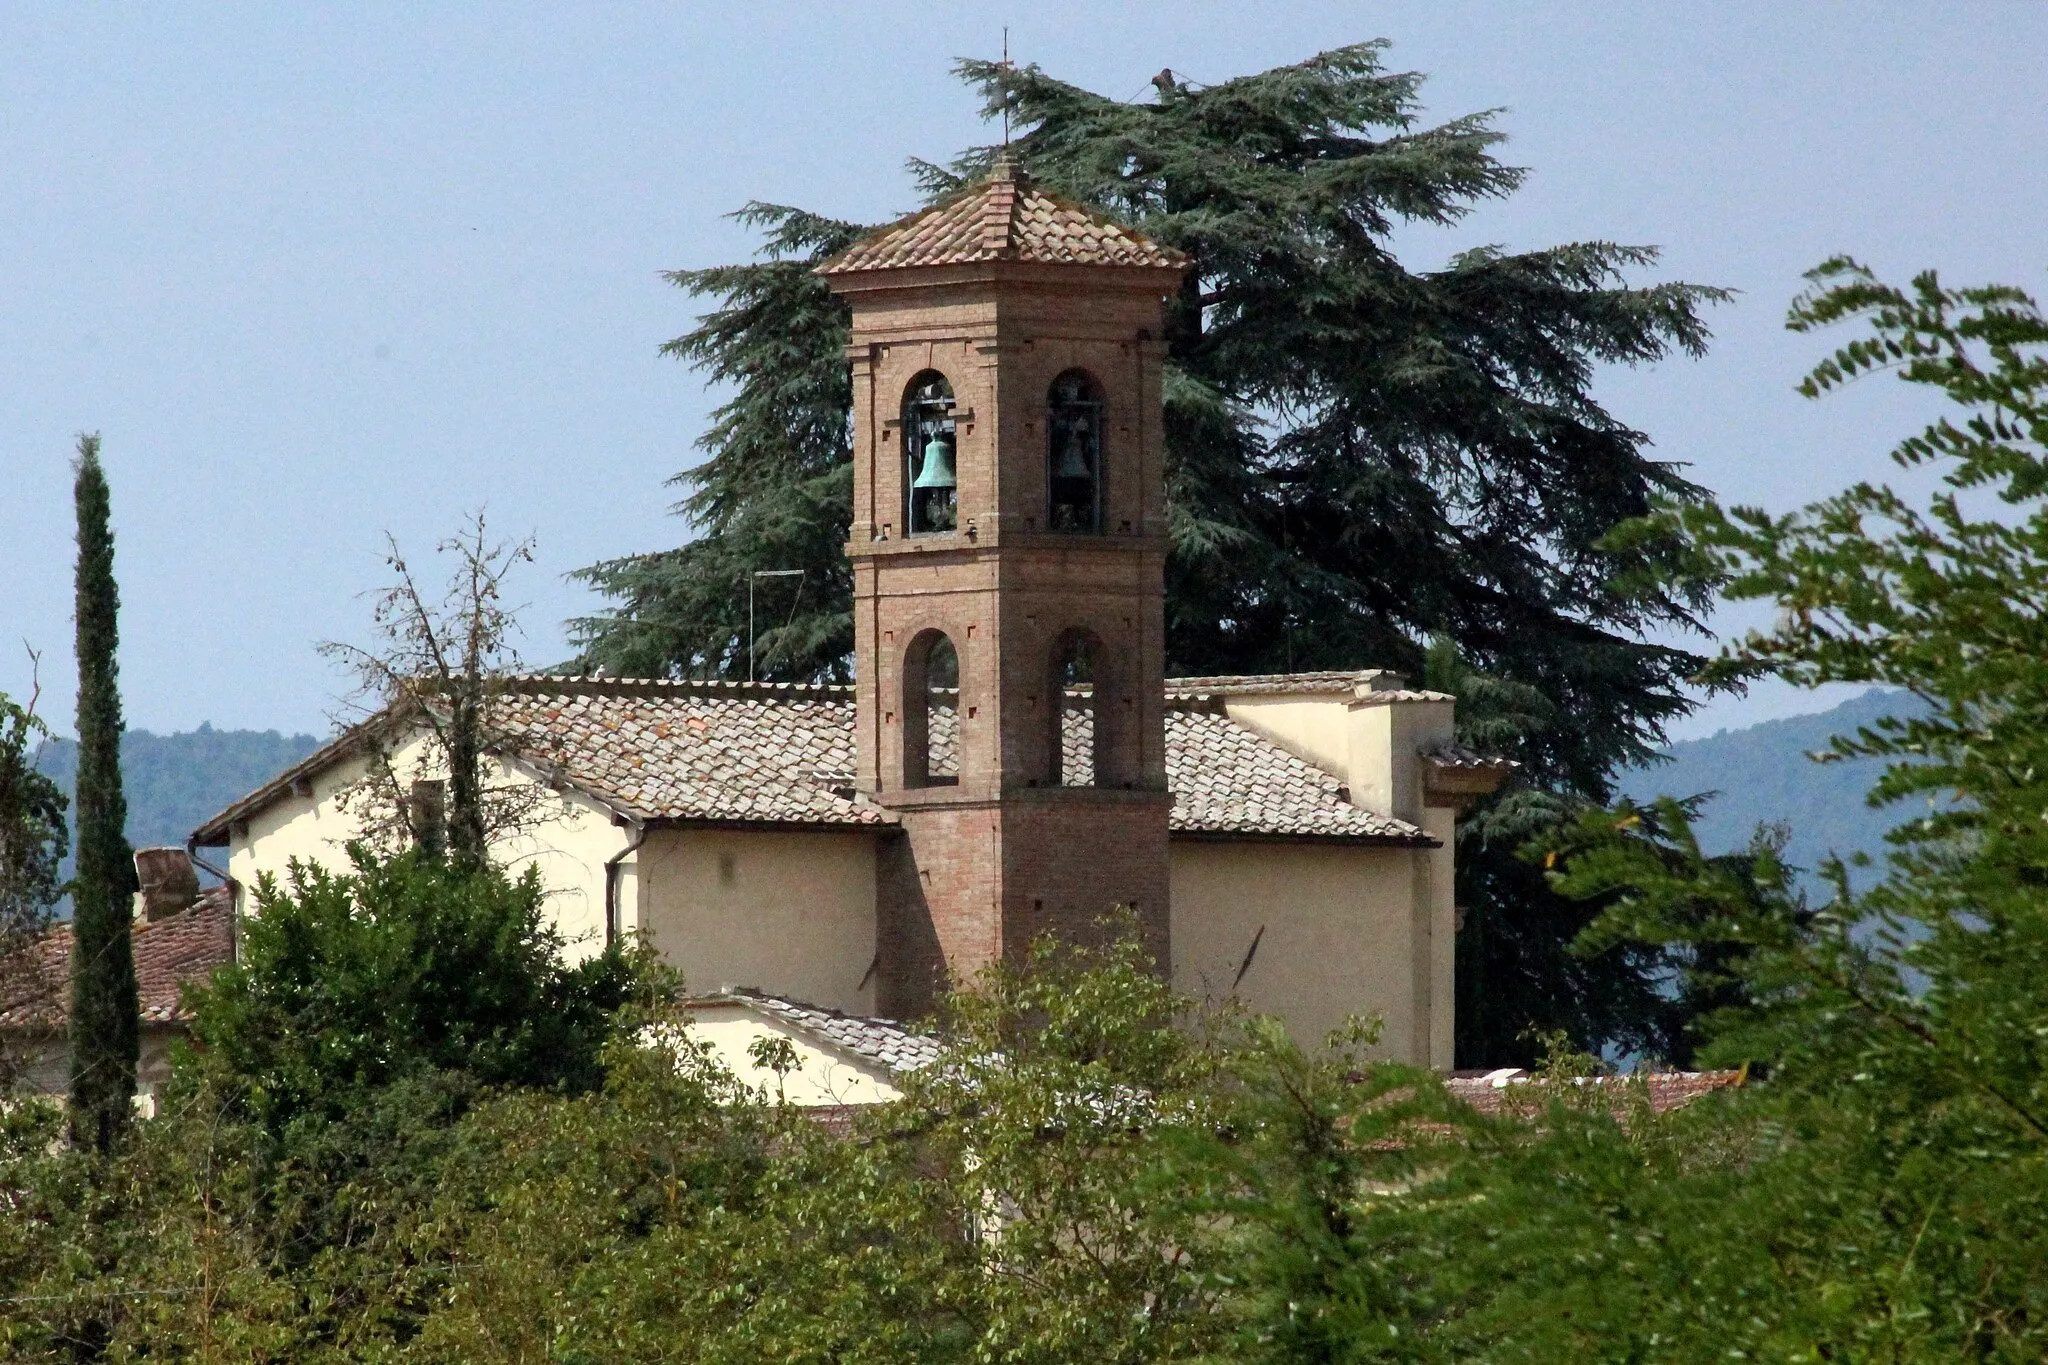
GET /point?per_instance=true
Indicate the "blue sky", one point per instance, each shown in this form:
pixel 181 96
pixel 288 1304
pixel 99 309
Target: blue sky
pixel 317 273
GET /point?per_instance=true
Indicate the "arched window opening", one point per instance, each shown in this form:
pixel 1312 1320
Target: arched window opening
pixel 1074 741
pixel 929 446
pixel 1073 427
pixel 931 712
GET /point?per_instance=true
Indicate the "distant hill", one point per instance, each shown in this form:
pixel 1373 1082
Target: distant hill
pixel 174 782
pixel 1762 775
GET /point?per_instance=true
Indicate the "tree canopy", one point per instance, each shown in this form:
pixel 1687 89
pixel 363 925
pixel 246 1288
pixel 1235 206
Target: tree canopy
pixel 105 1043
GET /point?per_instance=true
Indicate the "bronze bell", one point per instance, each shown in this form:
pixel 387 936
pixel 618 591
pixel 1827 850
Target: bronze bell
pixel 936 471
pixel 1074 459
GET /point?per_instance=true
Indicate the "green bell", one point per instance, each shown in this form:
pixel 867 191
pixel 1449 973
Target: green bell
pixel 937 469
pixel 1074 459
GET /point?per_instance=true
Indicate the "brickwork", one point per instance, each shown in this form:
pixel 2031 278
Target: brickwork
pixel 1004 850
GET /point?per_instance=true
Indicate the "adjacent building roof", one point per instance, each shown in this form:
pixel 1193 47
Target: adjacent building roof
pixel 783 754
pixel 885 1042
pixel 1003 218
pixel 1512 1090
pixel 169 952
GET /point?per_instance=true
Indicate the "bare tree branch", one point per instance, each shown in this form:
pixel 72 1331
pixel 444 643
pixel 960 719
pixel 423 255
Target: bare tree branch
pixel 439 667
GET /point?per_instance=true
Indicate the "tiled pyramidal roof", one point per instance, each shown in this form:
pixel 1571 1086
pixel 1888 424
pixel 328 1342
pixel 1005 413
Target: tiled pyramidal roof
pixel 783 754
pixel 1002 218
pixel 879 1040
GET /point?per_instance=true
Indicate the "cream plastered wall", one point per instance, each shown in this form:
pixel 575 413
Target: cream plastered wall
pixel 822 1075
pixel 569 843
pixel 791 913
pixel 1349 929
pixel 1374 746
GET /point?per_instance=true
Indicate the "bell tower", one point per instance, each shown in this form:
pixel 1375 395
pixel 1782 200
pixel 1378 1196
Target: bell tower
pixel 1008 549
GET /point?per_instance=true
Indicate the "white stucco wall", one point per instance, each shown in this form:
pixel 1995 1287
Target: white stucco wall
pixel 791 913
pixel 1349 929
pixel 823 1074
pixel 569 844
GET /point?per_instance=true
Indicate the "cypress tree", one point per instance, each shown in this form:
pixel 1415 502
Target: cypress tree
pixel 104 1041
pixel 1362 458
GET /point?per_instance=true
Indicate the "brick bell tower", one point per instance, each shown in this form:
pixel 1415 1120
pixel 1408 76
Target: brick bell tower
pixel 1008 549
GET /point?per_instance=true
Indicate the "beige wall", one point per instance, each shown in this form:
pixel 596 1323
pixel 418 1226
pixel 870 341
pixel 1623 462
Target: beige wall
pixel 569 844
pixel 823 1074
pixel 1350 929
pixel 1373 744
pixel 791 913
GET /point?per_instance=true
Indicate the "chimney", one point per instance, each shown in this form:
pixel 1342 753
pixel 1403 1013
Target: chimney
pixel 169 884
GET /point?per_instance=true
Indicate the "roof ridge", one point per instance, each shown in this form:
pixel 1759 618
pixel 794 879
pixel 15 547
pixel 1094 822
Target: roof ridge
pixel 606 685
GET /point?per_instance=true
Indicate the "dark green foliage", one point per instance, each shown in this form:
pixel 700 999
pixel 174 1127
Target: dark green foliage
pixel 346 983
pixel 274 1208
pixel 1520 977
pixel 33 842
pixel 104 1022
pixel 1013 1207
pixel 776 488
pixel 1642 870
pixel 1360 457
pixel 1890 1196
pixel 33 839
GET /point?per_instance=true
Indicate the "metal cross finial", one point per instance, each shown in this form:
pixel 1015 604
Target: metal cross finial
pixel 1007 68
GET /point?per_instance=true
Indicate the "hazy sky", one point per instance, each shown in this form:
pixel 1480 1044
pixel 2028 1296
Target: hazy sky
pixel 321 272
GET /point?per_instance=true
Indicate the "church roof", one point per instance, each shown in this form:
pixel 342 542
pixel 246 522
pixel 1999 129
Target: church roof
pixel 783 754
pixel 1003 218
pixel 182 947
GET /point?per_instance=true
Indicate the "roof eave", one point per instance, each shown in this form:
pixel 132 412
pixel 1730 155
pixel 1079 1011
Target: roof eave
pixel 216 831
pixel 1250 836
pixel 1005 270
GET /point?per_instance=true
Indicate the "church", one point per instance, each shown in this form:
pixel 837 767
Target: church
pixel 1011 758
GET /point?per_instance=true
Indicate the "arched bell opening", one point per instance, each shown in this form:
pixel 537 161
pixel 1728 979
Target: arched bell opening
pixel 930 445
pixel 1073 427
pixel 1075 751
pixel 931 711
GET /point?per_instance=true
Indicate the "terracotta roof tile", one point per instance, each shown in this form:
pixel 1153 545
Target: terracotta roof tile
pixel 1002 218
pixel 1227 779
pixel 1511 1090
pixel 168 953
pixel 1464 759
pixel 760 754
